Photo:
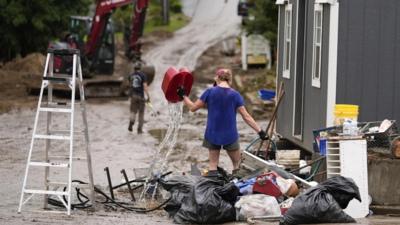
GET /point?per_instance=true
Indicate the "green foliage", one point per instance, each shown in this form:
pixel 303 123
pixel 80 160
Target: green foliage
pixel 265 20
pixel 176 6
pixel 154 20
pixel 28 26
pixel 122 16
pixel 153 15
pixel 174 25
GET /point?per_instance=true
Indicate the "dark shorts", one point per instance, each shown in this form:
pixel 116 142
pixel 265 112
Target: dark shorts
pixel 233 146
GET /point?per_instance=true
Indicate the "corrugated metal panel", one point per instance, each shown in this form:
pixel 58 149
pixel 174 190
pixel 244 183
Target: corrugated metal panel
pixel 342 52
pixel 396 83
pixel 370 71
pixel 386 60
pixel 369 43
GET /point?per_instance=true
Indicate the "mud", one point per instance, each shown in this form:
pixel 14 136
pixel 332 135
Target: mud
pixel 111 144
pixel 32 63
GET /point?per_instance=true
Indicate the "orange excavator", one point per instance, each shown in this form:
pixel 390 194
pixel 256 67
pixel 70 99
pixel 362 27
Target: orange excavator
pixel 95 38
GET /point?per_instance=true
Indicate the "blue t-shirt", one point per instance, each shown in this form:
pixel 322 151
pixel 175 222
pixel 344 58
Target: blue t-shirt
pixel 222 106
pixel 137 79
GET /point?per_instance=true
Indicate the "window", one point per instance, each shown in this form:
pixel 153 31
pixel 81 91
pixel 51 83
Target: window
pixel 287 43
pixel 316 74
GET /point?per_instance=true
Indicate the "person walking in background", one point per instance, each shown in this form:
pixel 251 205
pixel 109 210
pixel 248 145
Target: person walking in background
pixel 221 131
pixel 138 84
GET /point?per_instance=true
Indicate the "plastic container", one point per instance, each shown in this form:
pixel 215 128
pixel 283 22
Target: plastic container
pixel 345 111
pixel 306 169
pixel 269 188
pixel 266 95
pixel 346 128
pixel 380 139
pixel 385 134
pixel 316 134
pixel 174 79
pixel 353 128
pixel 322 146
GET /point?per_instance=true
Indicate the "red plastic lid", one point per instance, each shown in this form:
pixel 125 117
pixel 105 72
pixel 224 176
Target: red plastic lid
pixel 174 79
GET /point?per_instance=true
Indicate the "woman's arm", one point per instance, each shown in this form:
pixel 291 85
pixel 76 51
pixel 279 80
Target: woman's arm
pixel 248 119
pixel 193 107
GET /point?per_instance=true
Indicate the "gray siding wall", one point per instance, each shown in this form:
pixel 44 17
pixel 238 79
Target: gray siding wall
pixel 368 58
pixel 314 104
pixel 315 99
pixel 284 123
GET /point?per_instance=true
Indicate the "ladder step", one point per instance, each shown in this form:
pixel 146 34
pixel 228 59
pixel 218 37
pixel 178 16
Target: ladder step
pixel 49 164
pixel 30 191
pixel 63 184
pixel 64 51
pixel 55 110
pixel 57 79
pixel 60 103
pixel 64 131
pixel 54 137
pixel 82 159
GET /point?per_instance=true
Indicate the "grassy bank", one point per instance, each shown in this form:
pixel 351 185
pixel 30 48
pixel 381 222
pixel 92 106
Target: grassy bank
pixel 177 21
pixel 154 20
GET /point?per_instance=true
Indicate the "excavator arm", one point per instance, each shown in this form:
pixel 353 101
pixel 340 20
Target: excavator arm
pixel 136 32
pixel 97 50
pixel 104 10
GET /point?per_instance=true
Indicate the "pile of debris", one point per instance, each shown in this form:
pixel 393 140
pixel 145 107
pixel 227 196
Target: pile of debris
pixel 32 63
pixel 271 194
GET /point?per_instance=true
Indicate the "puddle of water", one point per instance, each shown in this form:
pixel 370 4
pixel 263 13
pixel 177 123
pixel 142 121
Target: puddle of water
pixel 159 134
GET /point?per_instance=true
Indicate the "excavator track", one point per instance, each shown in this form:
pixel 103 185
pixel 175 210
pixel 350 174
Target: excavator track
pixel 99 86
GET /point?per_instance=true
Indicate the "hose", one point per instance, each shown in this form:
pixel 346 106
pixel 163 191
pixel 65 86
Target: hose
pixel 258 138
pixel 295 170
pixel 316 169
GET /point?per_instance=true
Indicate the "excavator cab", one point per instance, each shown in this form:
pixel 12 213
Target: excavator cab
pixel 79 31
pixel 94 36
pixel 76 38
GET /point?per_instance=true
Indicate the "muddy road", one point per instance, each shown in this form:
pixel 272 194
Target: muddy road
pixel 111 144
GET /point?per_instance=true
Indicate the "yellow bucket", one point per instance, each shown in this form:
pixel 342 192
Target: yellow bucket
pixel 345 111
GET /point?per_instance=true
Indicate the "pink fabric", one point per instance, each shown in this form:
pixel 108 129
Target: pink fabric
pixel 219 72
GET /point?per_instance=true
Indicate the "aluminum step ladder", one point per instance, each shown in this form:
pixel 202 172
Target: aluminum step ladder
pixel 51 107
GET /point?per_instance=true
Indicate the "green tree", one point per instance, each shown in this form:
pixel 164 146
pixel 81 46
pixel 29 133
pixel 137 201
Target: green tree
pixel 28 26
pixel 176 6
pixel 122 13
pixel 265 21
pixel 153 15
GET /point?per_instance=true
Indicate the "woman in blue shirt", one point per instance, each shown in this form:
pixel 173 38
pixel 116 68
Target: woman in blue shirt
pixel 221 131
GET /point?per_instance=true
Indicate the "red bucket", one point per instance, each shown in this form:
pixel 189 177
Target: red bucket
pixel 174 79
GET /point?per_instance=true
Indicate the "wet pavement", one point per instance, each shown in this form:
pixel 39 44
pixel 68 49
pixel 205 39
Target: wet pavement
pixel 112 145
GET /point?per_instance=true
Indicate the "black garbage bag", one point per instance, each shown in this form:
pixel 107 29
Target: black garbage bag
pixel 182 182
pixel 208 202
pixel 318 204
pixel 343 190
pixel 180 187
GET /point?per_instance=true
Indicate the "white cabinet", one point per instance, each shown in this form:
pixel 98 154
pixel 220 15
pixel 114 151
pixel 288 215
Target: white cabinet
pixel 348 158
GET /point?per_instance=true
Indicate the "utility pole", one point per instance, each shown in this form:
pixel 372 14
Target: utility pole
pixel 165 11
